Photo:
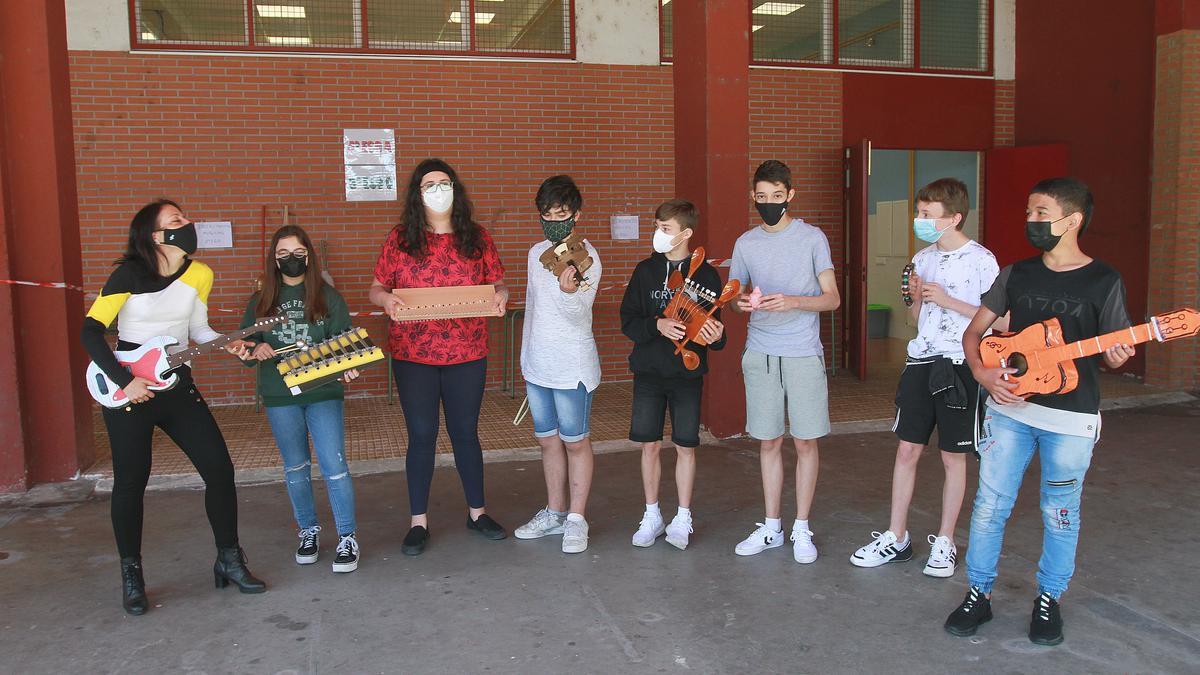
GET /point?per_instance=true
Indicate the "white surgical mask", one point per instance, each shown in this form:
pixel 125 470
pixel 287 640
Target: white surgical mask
pixel 438 201
pixel 662 241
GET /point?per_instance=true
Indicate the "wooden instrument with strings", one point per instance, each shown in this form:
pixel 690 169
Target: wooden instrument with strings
pixel 446 302
pixel 570 252
pixel 693 305
pixel 1045 365
pixel 905 289
pixel 327 361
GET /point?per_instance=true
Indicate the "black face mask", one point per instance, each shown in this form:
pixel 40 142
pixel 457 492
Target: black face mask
pixel 292 266
pixel 182 238
pixel 771 213
pixel 1040 235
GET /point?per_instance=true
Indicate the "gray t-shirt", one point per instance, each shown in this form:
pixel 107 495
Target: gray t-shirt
pixel 785 262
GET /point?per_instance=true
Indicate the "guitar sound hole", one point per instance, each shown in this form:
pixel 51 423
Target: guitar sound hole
pixel 1017 360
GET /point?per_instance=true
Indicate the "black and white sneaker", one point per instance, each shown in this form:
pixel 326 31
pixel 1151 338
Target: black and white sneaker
pixel 975 609
pixel 1046 626
pixel 310 545
pixel 347 554
pixel 884 549
pixel 942 557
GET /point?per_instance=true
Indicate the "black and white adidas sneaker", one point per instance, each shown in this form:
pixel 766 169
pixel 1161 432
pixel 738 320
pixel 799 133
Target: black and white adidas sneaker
pixel 883 550
pixel 942 557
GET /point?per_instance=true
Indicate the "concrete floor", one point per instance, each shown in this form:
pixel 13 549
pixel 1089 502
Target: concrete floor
pixel 471 605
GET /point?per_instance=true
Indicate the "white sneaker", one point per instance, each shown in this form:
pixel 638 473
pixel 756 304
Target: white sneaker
pixel 760 540
pixel 802 547
pixel 649 530
pixel 884 549
pixel 543 524
pixel 678 531
pixel 942 557
pixel 575 536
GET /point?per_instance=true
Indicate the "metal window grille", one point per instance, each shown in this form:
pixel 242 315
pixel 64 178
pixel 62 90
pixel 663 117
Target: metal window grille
pixel 876 33
pixel 523 26
pixel 420 25
pixel 792 32
pixel 665 25
pixel 190 22
pixel 954 34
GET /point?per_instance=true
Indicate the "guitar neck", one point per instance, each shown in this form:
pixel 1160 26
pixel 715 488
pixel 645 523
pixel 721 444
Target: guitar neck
pixel 1099 344
pixel 179 358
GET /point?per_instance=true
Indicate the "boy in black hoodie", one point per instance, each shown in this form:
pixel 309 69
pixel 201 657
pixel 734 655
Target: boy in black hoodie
pixel 660 380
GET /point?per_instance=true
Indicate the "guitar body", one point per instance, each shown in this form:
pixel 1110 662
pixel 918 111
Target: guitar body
pixel 148 361
pixel 1021 351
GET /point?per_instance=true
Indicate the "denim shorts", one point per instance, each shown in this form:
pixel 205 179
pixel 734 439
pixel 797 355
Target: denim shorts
pixel 564 412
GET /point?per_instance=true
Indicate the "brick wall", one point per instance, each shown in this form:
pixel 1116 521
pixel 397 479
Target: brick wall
pixel 1005 114
pixel 1175 204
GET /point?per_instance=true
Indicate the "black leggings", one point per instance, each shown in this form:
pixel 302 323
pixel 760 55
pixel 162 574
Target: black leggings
pixel 459 388
pixel 182 413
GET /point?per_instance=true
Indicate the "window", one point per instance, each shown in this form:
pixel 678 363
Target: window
pixel 924 35
pixel 468 27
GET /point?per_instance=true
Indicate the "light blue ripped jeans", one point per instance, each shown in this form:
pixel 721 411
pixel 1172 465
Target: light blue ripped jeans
pixel 292 425
pixel 1005 450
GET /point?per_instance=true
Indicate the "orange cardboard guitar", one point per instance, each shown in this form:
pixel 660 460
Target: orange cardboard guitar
pixel 1045 365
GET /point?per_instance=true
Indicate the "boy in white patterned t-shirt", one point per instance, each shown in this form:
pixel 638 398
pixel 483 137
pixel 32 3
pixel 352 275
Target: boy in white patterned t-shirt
pixel 936 387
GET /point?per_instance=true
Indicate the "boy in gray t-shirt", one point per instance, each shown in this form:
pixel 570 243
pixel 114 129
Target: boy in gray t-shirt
pixel 786 270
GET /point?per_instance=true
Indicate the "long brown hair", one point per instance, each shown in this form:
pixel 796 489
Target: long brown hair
pixel 315 308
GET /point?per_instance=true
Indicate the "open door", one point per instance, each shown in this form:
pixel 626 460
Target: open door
pixel 1009 173
pixel 854 280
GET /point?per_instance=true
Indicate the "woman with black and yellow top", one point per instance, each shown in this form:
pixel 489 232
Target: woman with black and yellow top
pixel 293 286
pixel 156 290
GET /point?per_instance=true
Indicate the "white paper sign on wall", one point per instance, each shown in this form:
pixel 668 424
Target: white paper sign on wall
pixel 217 234
pixel 370 161
pixel 624 227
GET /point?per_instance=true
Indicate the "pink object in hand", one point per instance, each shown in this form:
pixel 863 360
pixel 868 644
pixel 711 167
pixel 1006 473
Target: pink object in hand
pixel 755 298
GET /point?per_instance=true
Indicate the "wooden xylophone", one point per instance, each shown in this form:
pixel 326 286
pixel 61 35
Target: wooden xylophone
pixel 326 361
pixel 446 302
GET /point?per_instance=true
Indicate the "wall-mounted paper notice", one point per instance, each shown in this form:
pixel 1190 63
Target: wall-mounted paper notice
pixel 624 227
pixel 214 235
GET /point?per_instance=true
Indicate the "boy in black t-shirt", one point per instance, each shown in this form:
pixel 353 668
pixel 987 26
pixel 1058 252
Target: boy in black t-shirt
pixel 1088 298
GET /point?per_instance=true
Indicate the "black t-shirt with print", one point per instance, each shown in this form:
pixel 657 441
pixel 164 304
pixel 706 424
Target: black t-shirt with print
pixel 1087 301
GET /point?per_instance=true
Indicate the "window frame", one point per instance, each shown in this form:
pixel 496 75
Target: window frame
pixel 363 21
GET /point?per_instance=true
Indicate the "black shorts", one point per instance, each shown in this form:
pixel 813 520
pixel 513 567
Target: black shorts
pixel 918 411
pixel 653 396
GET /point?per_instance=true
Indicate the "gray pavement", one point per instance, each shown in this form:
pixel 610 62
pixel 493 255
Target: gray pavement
pixel 471 605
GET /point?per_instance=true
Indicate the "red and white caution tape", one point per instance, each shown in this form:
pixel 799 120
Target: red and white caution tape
pixel 42 284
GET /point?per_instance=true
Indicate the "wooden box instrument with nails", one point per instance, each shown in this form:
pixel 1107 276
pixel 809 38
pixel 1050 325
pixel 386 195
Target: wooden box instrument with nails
pixel 326 361
pixel 446 302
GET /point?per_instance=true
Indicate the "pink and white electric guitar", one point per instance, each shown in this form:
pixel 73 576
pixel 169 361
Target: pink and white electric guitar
pixel 153 362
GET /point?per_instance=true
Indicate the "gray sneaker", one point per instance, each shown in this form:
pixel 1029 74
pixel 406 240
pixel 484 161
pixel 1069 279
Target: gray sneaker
pixel 575 536
pixel 543 524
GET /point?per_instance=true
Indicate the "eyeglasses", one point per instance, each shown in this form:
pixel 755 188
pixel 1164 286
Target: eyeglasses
pixel 299 253
pixel 440 186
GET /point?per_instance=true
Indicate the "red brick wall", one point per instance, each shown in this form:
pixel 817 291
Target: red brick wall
pixel 1005 115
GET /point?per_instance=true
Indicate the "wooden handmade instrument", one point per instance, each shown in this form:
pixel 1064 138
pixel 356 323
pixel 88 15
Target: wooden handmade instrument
pixel 570 252
pixel 326 361
pixel 693 305
pixel 1045 365
pixel 905 289
pixel 153 362
pixel 446 302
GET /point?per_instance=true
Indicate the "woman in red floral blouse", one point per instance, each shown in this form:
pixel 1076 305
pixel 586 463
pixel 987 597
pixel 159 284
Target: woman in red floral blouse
pixel 438 243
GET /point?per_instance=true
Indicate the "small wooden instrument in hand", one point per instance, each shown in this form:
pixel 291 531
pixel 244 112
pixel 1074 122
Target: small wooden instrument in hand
pixel 693 305
pixel 570 252
pixel 446 302
pixel 1045 365
pixel 327 361
pixel 905 289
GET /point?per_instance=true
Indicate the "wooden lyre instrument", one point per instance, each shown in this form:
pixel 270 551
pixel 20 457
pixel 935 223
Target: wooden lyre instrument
pixel 693 305
pixel 570 252
pixel 326 361
pixel 446 302
pixel 1045 365
pixel 905 289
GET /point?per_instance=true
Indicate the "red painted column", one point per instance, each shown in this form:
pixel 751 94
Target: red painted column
pixel 12 439
pixel 41 232
pixel 712 140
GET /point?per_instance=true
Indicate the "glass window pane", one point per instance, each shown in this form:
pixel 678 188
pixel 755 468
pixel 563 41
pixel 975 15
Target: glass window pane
pixel 875 32
pixel 792 31
pixel 668 39
pixel 310 23
pixel 418 24
pixel 954 34
pixel 523 26
pixel 193 22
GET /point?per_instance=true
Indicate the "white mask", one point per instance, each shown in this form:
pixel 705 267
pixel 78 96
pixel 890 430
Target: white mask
pixel 662 241
pixel 438 201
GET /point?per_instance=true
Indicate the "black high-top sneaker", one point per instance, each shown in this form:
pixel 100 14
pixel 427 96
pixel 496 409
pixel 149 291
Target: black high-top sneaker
pixel 975 609
pixel 1046 626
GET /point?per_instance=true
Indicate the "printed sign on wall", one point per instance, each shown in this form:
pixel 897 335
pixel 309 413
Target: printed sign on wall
pixel 370 158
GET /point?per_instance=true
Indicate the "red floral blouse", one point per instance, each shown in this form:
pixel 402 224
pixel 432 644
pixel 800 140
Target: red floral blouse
pixel 441 342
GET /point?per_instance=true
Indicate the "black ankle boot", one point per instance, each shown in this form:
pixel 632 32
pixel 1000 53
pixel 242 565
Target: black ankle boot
pixel 231 567
pixel 133 586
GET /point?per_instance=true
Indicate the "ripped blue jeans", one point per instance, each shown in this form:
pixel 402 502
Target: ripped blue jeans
pixel 1005 450
pixel 292 425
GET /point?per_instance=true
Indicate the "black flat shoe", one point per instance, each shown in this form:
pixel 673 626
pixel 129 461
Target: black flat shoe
pixel 133 587
pixel 230 567
pixel 415 541
pixel 487 527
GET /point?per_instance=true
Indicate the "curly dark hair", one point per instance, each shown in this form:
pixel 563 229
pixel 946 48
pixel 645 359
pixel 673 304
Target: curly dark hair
pixel 468 235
